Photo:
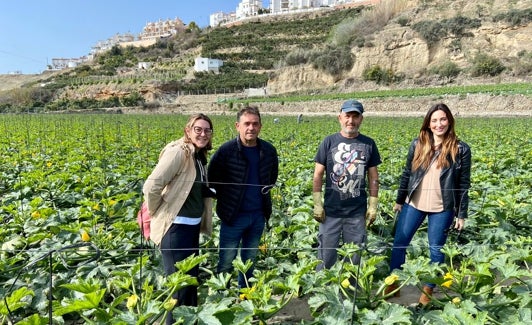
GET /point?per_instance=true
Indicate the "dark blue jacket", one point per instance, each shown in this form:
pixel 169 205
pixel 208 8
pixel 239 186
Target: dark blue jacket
pixel 228 168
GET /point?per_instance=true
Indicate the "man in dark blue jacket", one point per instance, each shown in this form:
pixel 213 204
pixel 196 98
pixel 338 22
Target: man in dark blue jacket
pixel 242 171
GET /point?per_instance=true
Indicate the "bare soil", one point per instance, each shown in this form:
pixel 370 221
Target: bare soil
pixel 471 105
pixel 298 309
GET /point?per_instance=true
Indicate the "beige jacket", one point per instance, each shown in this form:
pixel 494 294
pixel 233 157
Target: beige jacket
pixel 168 186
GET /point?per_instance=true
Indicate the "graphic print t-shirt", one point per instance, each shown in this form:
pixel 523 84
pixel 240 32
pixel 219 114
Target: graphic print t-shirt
pixel 346 163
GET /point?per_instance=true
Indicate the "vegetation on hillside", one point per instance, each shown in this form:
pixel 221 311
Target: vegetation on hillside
pixel 261 45
pixel 433 31
pixel 252 52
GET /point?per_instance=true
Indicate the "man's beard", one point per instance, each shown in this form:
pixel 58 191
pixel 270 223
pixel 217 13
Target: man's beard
pixel 351 131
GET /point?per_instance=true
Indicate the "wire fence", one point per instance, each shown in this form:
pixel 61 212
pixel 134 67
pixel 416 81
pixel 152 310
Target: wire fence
pixel 63 166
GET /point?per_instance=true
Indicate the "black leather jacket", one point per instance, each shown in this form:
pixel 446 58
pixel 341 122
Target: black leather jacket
pixel 455 180
pixel 228 167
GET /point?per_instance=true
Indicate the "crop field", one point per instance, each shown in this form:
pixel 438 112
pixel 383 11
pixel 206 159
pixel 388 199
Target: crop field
pixel 72 252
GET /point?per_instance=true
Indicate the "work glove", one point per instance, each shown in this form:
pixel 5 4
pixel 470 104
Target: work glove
pixel 319 214
pixel 371 213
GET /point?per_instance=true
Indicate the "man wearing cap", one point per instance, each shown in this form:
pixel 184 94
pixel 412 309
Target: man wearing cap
pixel 348 160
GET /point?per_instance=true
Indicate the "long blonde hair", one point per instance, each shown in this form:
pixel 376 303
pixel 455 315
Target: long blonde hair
pixel 425 146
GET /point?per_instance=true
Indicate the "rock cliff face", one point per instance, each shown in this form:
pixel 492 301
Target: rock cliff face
pixel 396 46
pixel 402 50
pixel 298 78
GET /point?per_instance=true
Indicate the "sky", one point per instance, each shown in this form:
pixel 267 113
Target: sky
pixel 32 32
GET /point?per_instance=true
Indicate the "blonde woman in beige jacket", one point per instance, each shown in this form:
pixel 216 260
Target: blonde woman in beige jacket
pixel 178 200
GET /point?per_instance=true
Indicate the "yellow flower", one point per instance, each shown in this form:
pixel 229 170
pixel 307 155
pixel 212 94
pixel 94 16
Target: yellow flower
pixel 112 202
pixel 449 277
pixel 247 293
pixel 390 279
pixel 85 236
pixel 456 300
pixel 132 301
pixel 169 305
pixel 263 248
pixel 96 207
pixel 49 164
pixel 346 283
pixel 36 214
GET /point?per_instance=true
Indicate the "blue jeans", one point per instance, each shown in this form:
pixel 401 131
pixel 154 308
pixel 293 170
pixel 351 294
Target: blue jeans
pixel 408 222
pixel 246 230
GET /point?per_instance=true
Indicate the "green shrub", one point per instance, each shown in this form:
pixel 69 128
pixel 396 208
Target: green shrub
pixel 485 65
pixel 433 31
pixel 296 57
pixel 5 108
pixel 403 21
pixel 522 64
pixel 113 101
pixel 447 69
pixel 378 75
pixel 345 32
pixel 515 17
pixel 133 99
pixel 459 24
pixel 333 60
pixel 430 31
pixel 83 70
pixel 455 45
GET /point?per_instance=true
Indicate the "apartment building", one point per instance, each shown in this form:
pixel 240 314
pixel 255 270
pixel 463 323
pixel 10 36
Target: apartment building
pixel 251 8
pixel 280 6
pixel 248 8
pixel 102 46
pixel 162 28
pixel 221 18
pixel 63 63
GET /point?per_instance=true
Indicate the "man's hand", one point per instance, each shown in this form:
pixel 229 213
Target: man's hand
pixel 319 214
pixel 371 213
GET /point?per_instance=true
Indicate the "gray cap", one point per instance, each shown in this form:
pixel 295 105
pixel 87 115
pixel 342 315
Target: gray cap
pixel 352 106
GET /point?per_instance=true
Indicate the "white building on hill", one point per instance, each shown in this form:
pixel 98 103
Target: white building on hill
pixel 248 8
pixel 284 6
pixel 251 8
pixel 207 65
pixel 162 28
pixel 103 46
pixel 63 63
pixel 221 18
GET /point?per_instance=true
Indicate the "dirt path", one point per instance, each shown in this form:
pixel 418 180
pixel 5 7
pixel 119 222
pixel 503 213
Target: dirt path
pixel 298 309
pixel 481 105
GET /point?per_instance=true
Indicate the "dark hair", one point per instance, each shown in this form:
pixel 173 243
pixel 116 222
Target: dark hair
pixel 248 110
pixel 190 123
pixel 424 148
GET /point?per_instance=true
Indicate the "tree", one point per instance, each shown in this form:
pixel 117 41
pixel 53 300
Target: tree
pixel 193 27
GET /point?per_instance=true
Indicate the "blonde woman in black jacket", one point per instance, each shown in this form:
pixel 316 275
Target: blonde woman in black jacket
pixel 434 185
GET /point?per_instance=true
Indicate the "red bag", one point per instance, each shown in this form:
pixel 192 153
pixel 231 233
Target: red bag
pixel 143 219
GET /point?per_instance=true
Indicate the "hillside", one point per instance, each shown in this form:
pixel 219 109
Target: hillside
pixel 394 45
pixel 398 47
